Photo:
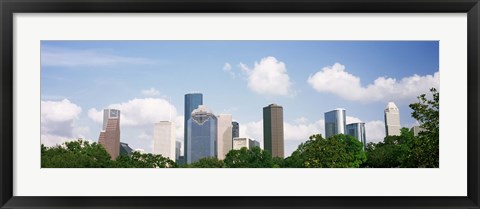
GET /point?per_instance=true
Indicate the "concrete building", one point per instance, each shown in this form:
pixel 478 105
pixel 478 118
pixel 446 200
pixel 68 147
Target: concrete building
pixel 238 143
pixel 192 101
pixel 392 120
pixel 273 139
pixel 202 135
pixel 416 130
pixel 164 139
pixel 335 122
pixel 224 135
pixel 110 135
pixel 235 129
pixel 357 130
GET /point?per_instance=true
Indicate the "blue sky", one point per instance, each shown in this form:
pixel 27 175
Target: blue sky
pixel 147 80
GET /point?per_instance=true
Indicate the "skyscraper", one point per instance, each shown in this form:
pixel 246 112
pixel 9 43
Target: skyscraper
pixel 235 129
pixel 192 101
pixel 110 135
pixel 392 120
pixel 125 149
pixel 357 130
pixel 335 122
pixel 178 147
pixel 224 135
pixel 202 135
pixel 238 143
pixel 164 139
pixel 273 130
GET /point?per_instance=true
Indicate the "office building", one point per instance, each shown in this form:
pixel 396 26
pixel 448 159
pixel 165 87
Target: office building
pixel 110 135
pixel 125 149
pixel 192 101
pixel 178 147
pixel 164 139
pixel 202 135
pixel 392 120
pixel 224 135
pixel 416 130
pixel 273 130
pixel 357 130
pixel 335 122
pixel 235 129
pixel 238 143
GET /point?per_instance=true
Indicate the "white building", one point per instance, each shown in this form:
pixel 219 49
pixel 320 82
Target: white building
pixel 238 143
pixel 164 139
pixel 392 120
pixel 224 135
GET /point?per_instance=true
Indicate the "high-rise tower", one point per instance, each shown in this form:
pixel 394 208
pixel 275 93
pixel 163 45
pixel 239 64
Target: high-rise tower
pixel 202 135
pixel 273 130
pixel 192 101
pixel 164 139
pixel 392 120
pixel 357 130
pixel 235 129
pixel 224 135
pixel 110 135
pixel 335 122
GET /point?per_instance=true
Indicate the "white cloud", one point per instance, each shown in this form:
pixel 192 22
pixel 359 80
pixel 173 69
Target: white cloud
pixel 252 130
pixel 334 79
pixel 57 119
pixel 138 112
pixel 269 77
pixel 301 120
pixel 375 131
pixel 60 57
pixel 227 68
pixel 151 92
pixel 301 132
pixel 351 119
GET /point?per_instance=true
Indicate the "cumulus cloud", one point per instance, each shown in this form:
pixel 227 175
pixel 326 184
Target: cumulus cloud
pixel 269 77
pixel 60 57
pixel 138 112
pixel 375 131
pixel 336 80
pixel 227 68
pixel 57 119
pixel 151 92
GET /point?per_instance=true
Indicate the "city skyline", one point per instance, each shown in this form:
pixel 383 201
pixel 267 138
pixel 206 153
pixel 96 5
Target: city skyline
pixel 145 78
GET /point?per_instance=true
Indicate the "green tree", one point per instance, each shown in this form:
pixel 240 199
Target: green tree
pixel 207 162
pixel 248 158
pixel 392 152
pixel 75 154
pixel 144 160
pixel 425 148
pixel 338 151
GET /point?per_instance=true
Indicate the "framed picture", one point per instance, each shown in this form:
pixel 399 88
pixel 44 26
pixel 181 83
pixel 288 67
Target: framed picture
pixel 237 104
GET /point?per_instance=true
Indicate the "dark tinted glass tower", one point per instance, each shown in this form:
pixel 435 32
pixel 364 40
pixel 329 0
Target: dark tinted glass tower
pixel 235 129
pixel 192 101
pixel 273 130
pixel 335 122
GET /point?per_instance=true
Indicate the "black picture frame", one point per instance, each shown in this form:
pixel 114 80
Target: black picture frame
pixel 10 7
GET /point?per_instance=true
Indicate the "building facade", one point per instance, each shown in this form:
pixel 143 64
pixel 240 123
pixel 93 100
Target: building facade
pixel 164 139
pixel 202 135
pixel 178 147
pixel 392 120
pixel 110 135
pixel 335 122
pixel 125 149
pixel 273 139
pixel 238 143
pixel 192 101
pixel 224 135
pixel 416 130
pixel 357 130
pixel 235 129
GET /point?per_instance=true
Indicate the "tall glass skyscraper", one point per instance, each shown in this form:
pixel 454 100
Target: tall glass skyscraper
pixel 392 120
pixel 335 122
pixel 192 101
pixel 273 130
pixel 202 135
pixel 235 129
pixel 357 130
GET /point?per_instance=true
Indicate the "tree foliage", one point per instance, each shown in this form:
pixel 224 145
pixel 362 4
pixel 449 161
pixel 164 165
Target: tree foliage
pixel 207 162
pixel 249 158
pixel 338 151
pixel 425 149
pixel 393 152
